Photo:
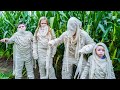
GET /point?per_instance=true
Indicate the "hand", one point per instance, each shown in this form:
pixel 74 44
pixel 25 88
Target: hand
pixel 85 49
pixel 81 51
pixel 4 40
pixel 51 43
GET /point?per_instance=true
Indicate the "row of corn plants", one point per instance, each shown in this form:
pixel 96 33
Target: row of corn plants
pixel 102 26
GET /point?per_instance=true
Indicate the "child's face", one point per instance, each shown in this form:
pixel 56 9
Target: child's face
pixel 43 23
pixel 100 51
pixel 22 27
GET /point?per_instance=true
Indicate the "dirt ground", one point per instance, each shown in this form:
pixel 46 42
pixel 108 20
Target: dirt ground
pixel 7 66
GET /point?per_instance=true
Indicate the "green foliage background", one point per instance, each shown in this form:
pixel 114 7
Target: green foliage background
pixel 102 26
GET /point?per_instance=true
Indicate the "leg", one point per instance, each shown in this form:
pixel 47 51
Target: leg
pixel 18 69
pixel 66 74
pixel 52 73
pixel 42 70
pixel 42 62
pixel 51 70
pixel 29 68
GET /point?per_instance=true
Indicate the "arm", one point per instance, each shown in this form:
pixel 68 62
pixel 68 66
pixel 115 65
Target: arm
pixel 112 72
pixel 9 40
pixel 35 54
pixel 31 41
pixel 57 41
pixel 54 48
pixel 89 44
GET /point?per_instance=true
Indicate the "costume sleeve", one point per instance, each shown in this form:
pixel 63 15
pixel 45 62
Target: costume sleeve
pixel 54 48
pixel 35 53
pixel 112 72
pixel 58 40
pixel 12 39
pixel 31 40
pixel 86 70
pixel 89 44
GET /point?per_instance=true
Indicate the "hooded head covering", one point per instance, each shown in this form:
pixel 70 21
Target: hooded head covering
pixel 106 50
pixel 95 56
pixel 73 26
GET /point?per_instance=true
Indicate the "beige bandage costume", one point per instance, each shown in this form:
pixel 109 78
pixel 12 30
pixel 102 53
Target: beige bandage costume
pixel 82 41
pixel 42 52
pixel 98 68
pixel 22 53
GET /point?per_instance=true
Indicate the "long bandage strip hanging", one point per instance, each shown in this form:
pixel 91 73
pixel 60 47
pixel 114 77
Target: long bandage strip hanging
pixel 79 67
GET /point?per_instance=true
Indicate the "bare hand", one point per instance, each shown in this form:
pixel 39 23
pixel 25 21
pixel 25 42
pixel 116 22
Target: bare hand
pixel 4 40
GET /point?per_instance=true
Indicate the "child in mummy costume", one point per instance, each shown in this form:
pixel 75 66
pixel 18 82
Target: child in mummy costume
pixel 99 65
pixel 41 51
pixel 22 51
pixel 77 42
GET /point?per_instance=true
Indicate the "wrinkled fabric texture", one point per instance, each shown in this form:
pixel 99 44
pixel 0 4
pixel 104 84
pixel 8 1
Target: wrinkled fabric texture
pixel 43 54
pixel 85 40
pixel 98 68
pixel 75 39
pixel 22 54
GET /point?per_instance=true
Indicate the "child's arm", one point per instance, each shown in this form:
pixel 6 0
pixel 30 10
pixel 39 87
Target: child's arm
pixel 34 60
pixel 12 39
pixel 9 40
pixel 112 72
pixel 54 48
pixel 35 48
pixel 4 40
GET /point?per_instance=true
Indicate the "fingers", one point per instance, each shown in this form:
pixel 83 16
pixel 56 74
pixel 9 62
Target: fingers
pixel 2 40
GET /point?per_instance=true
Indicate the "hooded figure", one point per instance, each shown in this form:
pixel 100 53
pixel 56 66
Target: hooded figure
pixel 99 68
pixel 41 51
pixel 22 52
pixel 76 40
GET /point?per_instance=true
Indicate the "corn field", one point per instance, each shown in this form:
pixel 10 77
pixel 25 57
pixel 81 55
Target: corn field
pixel 102 26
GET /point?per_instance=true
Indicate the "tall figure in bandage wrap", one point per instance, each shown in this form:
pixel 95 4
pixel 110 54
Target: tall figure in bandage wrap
pixel 41 51
pixel 77 42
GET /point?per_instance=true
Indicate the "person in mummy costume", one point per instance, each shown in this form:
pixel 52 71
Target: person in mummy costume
pixel 77 42
pixel 41 51
pixel 99 65
pixel 22 51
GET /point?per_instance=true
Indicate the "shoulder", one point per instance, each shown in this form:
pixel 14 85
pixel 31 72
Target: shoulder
pixel 15 34
pixel 28 32
pixel 90 58
pixel 84 33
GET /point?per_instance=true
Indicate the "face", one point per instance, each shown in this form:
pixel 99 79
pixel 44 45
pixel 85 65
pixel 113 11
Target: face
pixel 22 27
pixel 43 23
pixel 100 51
